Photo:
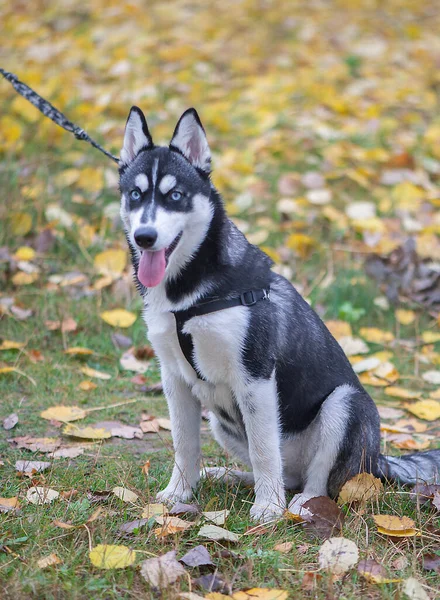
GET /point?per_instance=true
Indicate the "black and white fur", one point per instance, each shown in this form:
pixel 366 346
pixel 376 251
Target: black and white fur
pixel 282 396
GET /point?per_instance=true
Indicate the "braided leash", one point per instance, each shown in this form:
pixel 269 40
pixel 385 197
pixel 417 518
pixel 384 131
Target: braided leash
pixel 51 112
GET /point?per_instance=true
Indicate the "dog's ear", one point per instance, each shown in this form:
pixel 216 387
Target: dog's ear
pixel 189 139
pixel 136 136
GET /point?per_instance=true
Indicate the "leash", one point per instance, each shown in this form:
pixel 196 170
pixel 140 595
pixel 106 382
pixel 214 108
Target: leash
pixel 52 113
pixel 249 298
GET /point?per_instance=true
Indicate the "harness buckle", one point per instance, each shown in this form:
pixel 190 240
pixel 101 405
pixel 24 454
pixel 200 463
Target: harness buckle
pixel 248 302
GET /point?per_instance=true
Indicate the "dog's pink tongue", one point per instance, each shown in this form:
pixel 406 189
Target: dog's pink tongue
pixel 151 269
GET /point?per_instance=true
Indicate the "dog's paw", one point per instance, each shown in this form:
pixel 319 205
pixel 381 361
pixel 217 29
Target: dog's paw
pixel 172 494
pixel 264 511
pixel 296 505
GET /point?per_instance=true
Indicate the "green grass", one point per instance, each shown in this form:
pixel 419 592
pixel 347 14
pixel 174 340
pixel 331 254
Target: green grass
pixel 30 535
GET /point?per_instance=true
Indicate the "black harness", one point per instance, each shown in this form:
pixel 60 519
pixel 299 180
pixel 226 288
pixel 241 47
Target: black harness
pixel 249 298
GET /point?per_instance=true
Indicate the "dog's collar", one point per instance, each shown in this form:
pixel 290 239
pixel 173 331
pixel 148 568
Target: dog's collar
pixel 249 298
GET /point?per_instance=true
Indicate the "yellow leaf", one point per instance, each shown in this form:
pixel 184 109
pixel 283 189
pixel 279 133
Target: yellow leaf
pixel 393 525
pixel 399 392
pixel 435 395
pixel 124 494
pixel 22 278
pixel 90 433
pixel 24 253
pixel 9 503
pixel 78 350
pixel 405 317
pixel 111 262
pixel 339 329
pixel 119 317
pixel 430 337
pixel 66 178
pixel 152 510
pixel 87 386
pixel 375 335
pixel 11 345
pixel 63 413
pixel 21 223
pixel 94 373
pixel 90 179
pixel 361 487
pixel 261 594
pixel 48 561
pixel 399 532
pixel 301 243
pixel 106 556
pixel 429 410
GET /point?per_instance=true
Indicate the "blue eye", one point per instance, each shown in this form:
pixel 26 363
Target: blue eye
pixel 135 195
pixel 176 196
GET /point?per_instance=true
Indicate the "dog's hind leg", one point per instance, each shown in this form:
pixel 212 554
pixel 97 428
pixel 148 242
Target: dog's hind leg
pixel 229 475
pixel 327 434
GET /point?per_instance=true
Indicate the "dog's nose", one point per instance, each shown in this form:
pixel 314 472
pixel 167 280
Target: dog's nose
pixel 145 237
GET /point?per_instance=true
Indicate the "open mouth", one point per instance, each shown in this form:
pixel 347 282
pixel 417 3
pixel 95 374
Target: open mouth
pixel 152 264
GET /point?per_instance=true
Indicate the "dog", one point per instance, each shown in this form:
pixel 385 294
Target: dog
pixel 235 337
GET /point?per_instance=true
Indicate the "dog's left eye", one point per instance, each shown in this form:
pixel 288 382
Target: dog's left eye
pixel 135 195
pixel 176 196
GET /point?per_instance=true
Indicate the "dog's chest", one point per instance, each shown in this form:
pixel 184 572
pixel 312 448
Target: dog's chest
pixel 217 339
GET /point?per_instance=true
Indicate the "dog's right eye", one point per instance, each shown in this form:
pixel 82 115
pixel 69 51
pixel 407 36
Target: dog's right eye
pixel 135 195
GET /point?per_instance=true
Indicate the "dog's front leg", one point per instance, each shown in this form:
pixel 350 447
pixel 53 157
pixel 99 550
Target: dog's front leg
pixel 259 406
pixel 185 413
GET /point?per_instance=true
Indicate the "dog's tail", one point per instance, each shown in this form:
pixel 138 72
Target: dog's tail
pixel 423 466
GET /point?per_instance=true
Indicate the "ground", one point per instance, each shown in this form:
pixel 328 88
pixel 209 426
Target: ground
pixel 324 124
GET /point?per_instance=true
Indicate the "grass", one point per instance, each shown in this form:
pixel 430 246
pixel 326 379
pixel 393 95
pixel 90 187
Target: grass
pixel 31 534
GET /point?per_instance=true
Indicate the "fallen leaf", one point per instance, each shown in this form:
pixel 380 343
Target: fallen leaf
pixel 352 346
pixel 183 509
pixel 323 517
pixel 129 362
pixel 9 504
pixel 49 561
pixel 10 422
pixel 87 386
pixel 162 571
pixel 41 495
pixel 215 584
pixel 405 317
pixel 90 433
pixel 30 466
pixel 78 351
pixel 36 444
pixel 11 345
pixel 63 413
pixel 375 335
pixel 338 555
pixel 387 412
pixel 432 377
pixel 69 452
pixel 212 532
pixel 164 423
pixel 395 526
pixel 284 547
pixel 374 572
pixel 339 329
pixel 261 594
pixel 429 410
pixel 152 510
pixel 218 517
pixel 431 562
pixel 413 589
pixel 398 392
pixel 111 262
pixel 105 556
pixel 170 525
pixel 132 526
pixel 310 581
pixel 21 223
pixel 124 494
pixel 361 488
pixel 119 317
pixel 197 557
pixel 118 429
pixel 151 426
pixel 89 372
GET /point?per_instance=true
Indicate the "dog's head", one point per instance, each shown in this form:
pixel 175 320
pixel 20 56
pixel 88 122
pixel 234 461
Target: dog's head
pixel 165 204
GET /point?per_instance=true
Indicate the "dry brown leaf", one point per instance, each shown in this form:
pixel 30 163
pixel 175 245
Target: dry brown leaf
pixel 162 571
pixel 124 494
pixel 49 561
pixel 361 488
pixel 41 495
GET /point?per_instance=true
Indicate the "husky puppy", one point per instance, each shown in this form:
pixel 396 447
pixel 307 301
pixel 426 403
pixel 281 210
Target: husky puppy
pixel 237 338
